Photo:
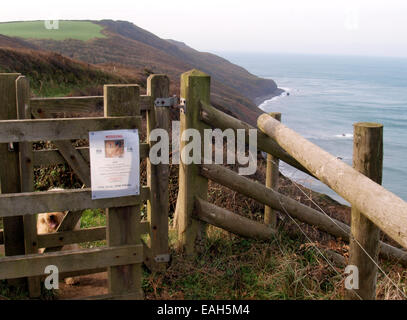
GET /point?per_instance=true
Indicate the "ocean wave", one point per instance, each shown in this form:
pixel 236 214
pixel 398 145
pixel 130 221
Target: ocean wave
pixel 286 89
pixel 285 93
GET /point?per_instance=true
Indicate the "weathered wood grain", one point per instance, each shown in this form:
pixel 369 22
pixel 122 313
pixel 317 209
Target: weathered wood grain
pixel 27 179
pixel 77 199
pixel 272 176
pixel 282 203
pixel 195 87
pixel 231 222
pixel 365 235
pixel 10 171
pixel 61 129
pixel 383 208
pixel 77 105
pixel 67 261
pixel 218 119
pixel 158 174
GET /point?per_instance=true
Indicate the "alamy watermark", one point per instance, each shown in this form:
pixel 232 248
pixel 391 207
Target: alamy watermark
pixel 208 149
pixel 51 281
pixel 352 280
pixel 51 24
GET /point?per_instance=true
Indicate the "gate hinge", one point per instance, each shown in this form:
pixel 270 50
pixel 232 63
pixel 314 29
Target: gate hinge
pixel 166 102
pixel 162 258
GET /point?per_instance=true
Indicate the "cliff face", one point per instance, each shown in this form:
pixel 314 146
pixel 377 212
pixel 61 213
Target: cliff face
pixel 130 49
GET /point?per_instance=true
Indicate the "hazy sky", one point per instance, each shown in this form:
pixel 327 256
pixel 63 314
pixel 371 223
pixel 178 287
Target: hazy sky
pixel 366 27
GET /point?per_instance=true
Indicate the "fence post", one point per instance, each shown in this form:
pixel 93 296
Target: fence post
pixel 10 171
pixel 272 175
pixel 158 86
pixel 195 87
pixel 123 223
pixel 27 179
pixel 367 159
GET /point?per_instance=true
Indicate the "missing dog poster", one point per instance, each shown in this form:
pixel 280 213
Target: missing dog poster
pixel 114 163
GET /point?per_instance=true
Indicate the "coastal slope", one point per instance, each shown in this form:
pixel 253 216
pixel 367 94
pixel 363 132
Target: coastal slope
pixel 126 49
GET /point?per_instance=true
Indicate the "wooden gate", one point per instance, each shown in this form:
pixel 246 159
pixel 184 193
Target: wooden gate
pixel 125 250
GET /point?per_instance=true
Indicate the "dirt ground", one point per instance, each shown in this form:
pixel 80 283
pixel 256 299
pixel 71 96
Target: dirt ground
pixel 88 286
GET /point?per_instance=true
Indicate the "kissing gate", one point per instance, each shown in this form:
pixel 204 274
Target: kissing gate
pixel 373 207
pixel 25 120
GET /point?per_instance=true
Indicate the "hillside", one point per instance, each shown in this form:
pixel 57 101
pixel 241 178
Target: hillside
pixel 131 49
pixel 52 74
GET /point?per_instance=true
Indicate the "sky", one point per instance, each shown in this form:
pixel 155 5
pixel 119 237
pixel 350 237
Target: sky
pixel 351 27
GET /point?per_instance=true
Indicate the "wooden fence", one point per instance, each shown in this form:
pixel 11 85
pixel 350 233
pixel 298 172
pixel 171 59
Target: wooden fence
pixel 125 250
pixel 373 207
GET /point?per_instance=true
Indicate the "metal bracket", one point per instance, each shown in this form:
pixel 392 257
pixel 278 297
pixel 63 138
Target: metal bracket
pixel 11 147
pixel 166 102
pixel 162 258
pixel 183 104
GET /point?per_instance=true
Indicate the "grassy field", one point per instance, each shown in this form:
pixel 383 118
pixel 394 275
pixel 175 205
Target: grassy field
pixel 79 30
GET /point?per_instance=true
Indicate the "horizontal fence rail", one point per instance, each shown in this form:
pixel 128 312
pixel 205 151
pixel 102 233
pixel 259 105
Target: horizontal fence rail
pixel 62 238
pixel 282 203
pixel 383 208
pixel 62 129
pixel 87 104
pixel 232 222
pixel 18 204
pixel 78 236
pixel 218 119
pixel 68 261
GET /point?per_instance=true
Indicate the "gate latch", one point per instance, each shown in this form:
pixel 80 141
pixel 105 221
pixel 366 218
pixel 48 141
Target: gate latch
pixel 166 102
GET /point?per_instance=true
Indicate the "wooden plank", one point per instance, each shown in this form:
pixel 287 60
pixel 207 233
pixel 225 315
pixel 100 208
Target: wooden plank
pixel 218 119
pixel 231 222
pixel 69 237
pixel 195 87
pixel 53 157
pixel 67 261
pixel 27 179
pixel 61 129
pixel 383 208
pixel 272 176
pixel 365 236
pixel 282 203
pixel 10 171
pixel 89 104
pixel 158 174
pixel 62 238
pixel 122 223
pixel 77 199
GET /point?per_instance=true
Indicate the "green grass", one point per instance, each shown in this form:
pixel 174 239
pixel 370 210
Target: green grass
pixel 79 30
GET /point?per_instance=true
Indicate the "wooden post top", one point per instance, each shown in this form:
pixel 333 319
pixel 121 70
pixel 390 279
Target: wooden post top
pixel 368 125
pixel 194 73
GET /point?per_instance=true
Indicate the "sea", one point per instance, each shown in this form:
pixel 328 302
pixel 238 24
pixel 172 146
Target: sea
pixel 325 95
